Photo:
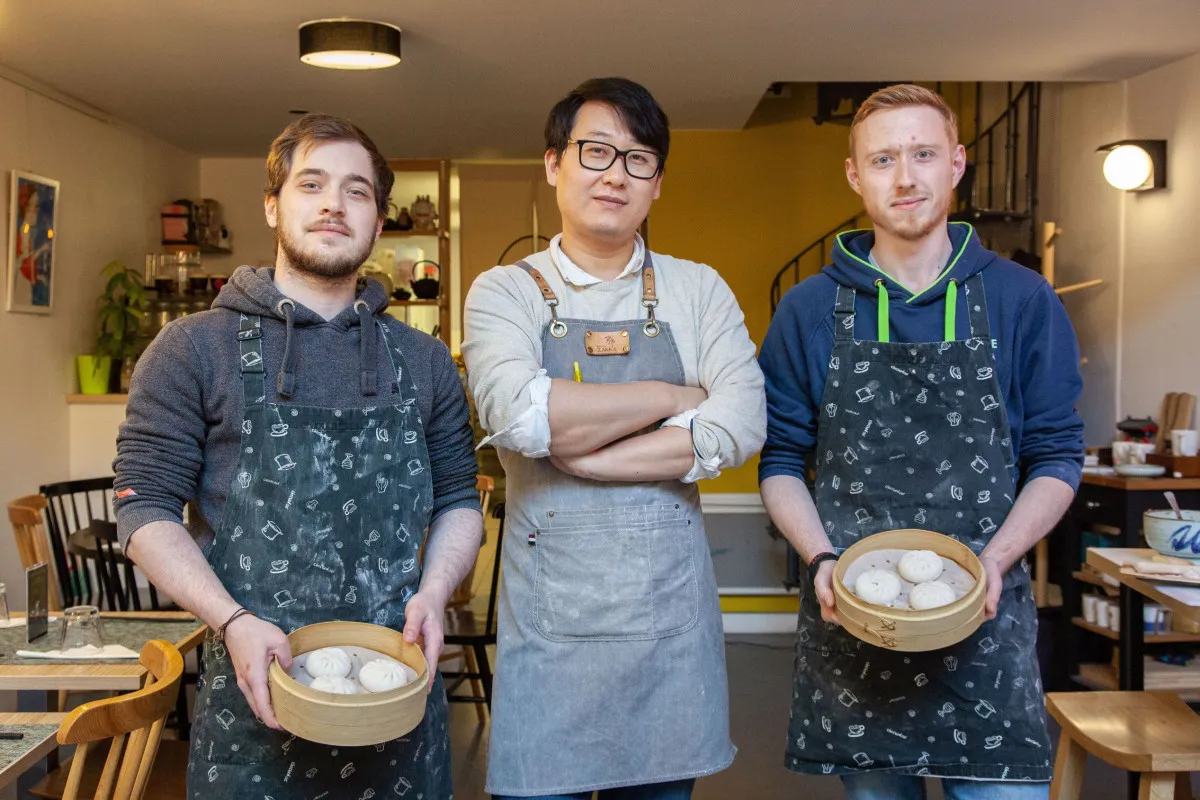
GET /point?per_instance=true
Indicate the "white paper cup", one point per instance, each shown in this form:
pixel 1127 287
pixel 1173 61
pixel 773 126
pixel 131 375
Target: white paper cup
pixel 1089 607
pixel 1183 443
pixel 1114 620
pixel 1102 609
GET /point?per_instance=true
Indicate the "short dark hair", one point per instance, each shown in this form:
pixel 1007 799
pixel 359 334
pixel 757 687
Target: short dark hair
pixel 635 107
pixel 313 128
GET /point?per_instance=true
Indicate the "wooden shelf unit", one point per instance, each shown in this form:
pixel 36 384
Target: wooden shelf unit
pixel 1184 681
pixel 402 234
pixel 1171 637
pixel 442 168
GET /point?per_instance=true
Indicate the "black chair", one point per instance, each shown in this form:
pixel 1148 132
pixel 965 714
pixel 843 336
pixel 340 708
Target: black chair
pixel 91 568
pixel 467 630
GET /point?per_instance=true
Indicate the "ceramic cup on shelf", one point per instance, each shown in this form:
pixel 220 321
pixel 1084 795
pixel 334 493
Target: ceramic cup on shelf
pixel 1183 443
pixel 1089 607
pixel 1103 607
pixel 1114 619
pixel 1155 619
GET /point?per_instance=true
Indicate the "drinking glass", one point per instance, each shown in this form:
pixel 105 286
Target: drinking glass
pixel 81 627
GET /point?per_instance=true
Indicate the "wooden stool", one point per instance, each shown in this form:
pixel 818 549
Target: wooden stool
pixel 1152 733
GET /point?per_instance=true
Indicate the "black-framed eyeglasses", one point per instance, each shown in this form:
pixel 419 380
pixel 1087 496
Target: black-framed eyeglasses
pixel 599 156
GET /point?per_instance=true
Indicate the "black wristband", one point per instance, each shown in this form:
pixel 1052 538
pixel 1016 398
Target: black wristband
pixel 817 561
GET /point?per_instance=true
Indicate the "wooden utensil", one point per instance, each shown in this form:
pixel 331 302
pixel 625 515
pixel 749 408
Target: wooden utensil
pixel 1165 415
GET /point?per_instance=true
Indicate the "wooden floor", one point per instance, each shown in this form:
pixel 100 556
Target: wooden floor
pixel 760 686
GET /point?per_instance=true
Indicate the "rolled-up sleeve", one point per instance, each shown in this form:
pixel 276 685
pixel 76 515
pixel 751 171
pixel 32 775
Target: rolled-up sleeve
pixel 160 445
pixel 503 352
pixel 729 427
pixel 1047 363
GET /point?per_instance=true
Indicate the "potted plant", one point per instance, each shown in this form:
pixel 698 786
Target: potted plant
pixel 122 305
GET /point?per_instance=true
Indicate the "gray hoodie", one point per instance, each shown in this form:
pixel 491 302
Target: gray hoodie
pixel 180 439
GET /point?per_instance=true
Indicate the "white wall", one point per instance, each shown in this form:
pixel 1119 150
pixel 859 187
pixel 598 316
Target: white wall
pixel 238 183
pixel 114 180
pixel 1137 331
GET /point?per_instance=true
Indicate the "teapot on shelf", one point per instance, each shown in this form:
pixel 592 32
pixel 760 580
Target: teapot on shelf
pixel 424 286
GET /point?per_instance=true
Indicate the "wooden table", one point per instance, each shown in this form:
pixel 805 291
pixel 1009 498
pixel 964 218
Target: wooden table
pixel 1183 601
pixel 40 740
pixel 94 675
pixel 1114 504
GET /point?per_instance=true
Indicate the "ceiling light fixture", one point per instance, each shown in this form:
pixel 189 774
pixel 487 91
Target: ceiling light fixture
pixel 349 44
pixel 1136 165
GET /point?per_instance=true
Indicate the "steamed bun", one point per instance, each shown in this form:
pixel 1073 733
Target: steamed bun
pixel 334 685
pixel 930 594
pixel 878 586
pixel 918 566
pixel 328 662
pixel 382 674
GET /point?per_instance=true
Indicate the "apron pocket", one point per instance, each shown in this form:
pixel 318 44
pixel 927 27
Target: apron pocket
pixel 615 581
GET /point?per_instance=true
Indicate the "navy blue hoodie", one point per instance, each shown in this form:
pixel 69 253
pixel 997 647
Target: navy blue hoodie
pixel 1037 356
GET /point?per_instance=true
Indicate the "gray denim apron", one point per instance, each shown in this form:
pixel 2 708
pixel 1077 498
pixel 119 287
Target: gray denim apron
pixel 916 435
pixel 610 664
pixel 324 521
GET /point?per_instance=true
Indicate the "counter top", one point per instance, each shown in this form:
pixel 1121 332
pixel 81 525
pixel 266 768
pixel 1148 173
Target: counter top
pixel 97 399
pixel 1140 484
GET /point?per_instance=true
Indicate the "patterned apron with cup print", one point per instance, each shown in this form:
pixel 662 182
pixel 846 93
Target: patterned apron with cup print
pixel 916 436
pixel 324 521
pixel 610 667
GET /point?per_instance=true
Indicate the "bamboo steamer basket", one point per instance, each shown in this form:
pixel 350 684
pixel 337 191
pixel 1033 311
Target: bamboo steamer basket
pixel 904 629
pixel 349 719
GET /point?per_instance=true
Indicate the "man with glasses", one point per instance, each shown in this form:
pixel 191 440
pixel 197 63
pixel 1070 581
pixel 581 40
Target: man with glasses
pixel 611 379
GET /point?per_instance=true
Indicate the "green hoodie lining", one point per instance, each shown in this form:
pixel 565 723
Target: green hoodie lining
pixel 950 266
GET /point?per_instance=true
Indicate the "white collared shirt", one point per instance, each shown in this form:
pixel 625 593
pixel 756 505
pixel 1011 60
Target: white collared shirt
pixel 577 276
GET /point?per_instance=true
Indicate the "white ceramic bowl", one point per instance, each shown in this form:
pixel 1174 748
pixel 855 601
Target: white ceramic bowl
pixel 1172 536
pixel 1139 470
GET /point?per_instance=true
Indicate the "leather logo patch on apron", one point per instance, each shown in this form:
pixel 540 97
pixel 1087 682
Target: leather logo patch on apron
pixel 607 343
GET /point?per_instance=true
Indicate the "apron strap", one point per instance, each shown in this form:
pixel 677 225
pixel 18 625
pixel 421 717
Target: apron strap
pixel 977 307
pixel 558 328
pixel 843 314
pixel 387 348
pixel 251 360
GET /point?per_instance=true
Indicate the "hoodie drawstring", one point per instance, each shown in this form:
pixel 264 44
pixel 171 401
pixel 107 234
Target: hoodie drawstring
pixel 884 323
pixel 368 342
pixel 285 384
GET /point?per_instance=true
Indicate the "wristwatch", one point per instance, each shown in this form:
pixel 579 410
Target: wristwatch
pixel 816 562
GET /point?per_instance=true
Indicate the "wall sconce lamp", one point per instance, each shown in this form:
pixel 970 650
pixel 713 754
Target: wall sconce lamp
pixel 349 44
pixel 1136 165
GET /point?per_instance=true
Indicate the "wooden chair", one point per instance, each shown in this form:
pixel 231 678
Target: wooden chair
pixel 27 517
pixel 1151 733
pixel 134 723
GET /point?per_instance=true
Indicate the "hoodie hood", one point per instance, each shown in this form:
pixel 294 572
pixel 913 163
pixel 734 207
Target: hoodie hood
pixel 852 264
pixel 252 291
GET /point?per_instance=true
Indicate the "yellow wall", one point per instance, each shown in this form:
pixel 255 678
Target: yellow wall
pixel 746 202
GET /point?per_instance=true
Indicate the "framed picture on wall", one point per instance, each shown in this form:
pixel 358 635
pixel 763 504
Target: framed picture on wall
pixel 32 226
